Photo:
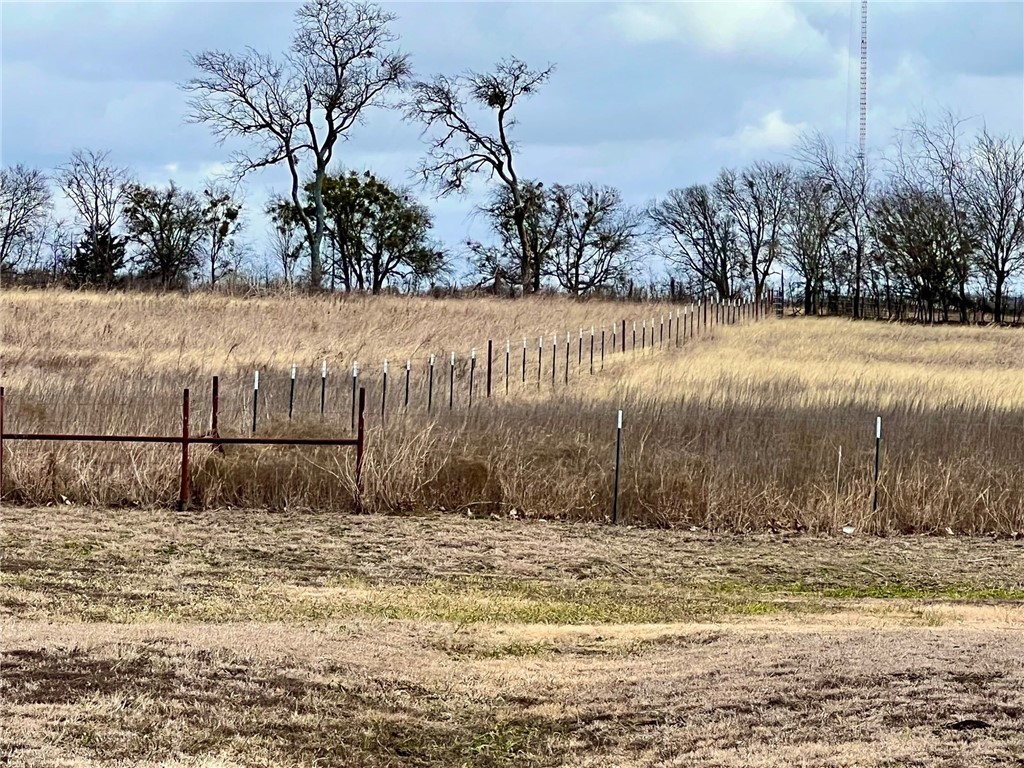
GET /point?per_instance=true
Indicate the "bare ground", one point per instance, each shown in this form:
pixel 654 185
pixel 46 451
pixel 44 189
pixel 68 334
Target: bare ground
pixel 241 638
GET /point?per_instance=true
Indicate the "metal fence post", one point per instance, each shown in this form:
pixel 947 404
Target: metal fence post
pixel 540 355
pixel 323 390
pixel 567 353
pixel 591 350
pixel 451 382
pixel 255 398
pixel 524 360
pixel 618 460
pixel 490 357
pixel 878 458
pixel 183 492
pixel 360 448
pixel 355 383
pixel 291 394
pixel 408 374
pixel 215 414
pixel 430 385
pixel 554 355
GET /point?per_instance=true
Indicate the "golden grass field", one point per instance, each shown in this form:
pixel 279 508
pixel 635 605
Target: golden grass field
pixel 488 618
pixel 740 427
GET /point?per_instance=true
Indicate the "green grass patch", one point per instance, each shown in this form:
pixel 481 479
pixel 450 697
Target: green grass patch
pixel 894 591
pixel 471 600
pixel 909 592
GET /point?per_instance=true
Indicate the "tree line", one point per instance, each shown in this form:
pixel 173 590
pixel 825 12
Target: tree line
pixel 939 217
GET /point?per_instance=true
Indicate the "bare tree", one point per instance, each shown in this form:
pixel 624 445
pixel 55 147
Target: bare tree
pixel 757 198
pixel 930 157
pixel 286 244
pixel 461 148
pixel 850 180
pixel 98 190
pixel 814 218
pixel 501 262
pixel 60 241
pixel 916 231
pixel 340 63
pixel 698 235
pixel 25 203
pixel 994 190
pixel 597 238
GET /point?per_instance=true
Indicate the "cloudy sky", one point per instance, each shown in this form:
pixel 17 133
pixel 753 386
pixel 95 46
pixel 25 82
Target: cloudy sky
pixel 646 97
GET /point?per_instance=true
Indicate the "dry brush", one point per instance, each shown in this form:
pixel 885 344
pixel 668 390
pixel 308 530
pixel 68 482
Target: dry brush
pixel 741 429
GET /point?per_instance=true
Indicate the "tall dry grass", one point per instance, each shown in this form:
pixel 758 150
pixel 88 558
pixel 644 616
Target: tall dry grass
pixel 740 429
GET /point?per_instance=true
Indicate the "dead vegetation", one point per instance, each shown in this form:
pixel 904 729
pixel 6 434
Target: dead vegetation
pixel 246 638
pixel 765 426
pixel 694 698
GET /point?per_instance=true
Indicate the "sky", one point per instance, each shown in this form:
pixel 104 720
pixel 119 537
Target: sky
pixel 645 97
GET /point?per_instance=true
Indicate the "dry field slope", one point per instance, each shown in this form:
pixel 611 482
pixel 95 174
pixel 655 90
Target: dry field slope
pixel 740 429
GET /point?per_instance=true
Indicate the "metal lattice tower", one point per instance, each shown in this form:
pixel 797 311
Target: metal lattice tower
pixel 863 77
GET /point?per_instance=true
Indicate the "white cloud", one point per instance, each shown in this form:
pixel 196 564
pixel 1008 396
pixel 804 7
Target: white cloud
pixel 771 132
pixel 760 27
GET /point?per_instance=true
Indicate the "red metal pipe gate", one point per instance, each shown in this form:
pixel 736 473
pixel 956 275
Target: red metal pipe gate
pixel 185 439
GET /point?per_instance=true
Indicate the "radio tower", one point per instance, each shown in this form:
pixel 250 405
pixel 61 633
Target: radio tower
pixel 863 78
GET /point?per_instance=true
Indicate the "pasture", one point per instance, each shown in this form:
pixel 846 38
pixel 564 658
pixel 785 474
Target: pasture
pixel 753 426
pixel 750 609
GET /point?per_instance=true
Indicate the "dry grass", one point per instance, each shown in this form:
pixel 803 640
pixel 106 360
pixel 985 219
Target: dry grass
pixel 240 565
pixel 740 429
pixel 111 334
pixel 293 634
pixel 768 666
pixel 348 695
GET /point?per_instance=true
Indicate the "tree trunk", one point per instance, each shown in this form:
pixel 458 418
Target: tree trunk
pixel 858 269
pixel 998 311
pixel 526 257
pixel 316 270
pixel 536 271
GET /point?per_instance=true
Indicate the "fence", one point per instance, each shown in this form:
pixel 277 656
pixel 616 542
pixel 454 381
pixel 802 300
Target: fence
pixel 186 439
pixel 566 358
pixel 448 381
pixel 898 307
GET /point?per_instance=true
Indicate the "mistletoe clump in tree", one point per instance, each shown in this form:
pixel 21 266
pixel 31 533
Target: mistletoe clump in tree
pixel 379 235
